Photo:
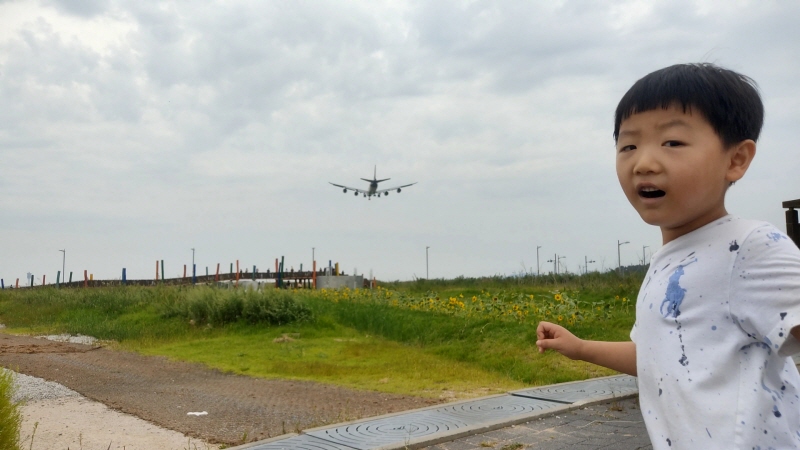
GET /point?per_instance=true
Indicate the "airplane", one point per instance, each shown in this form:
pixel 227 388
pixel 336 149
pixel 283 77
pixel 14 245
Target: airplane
pixel 373 187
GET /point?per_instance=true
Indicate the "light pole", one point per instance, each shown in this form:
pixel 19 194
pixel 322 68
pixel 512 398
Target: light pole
pixel 427 275
pixel 619 259
pixel 586 264
pixel 559 260
pixel 644 259
pixel 537 259
pixel 63 263
pixel 554 261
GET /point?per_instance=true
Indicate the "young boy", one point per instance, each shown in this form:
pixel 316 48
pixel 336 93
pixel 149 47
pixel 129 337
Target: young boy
pixel 718 314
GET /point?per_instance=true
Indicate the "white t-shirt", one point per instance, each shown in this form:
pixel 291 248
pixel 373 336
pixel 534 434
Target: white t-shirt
pixel 713 342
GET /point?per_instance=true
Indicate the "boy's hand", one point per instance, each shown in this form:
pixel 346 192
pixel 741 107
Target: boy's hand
pixel 556 337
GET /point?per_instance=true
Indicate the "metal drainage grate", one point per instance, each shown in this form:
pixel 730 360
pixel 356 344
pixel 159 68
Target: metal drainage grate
pixel 496 408
pixel 390 430
pixel 584 390
pixel 301 442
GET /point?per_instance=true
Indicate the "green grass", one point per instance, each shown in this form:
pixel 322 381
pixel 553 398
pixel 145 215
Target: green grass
pixel 427 337
pixel 9 414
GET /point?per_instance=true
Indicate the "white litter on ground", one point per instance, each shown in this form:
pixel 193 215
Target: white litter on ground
pixel 203 413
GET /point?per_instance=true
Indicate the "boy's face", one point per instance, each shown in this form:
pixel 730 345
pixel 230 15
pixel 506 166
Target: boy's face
pixel 674 169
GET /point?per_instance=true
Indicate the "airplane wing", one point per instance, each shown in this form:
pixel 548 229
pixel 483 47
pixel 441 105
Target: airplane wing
pixel 382 191
pixel 348 188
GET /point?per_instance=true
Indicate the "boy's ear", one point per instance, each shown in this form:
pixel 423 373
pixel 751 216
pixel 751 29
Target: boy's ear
pixel 740 157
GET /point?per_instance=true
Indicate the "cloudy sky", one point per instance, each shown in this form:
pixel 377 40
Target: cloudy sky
pixel 135 131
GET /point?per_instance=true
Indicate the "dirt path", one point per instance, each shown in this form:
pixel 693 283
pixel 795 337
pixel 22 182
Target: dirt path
pixel 240 409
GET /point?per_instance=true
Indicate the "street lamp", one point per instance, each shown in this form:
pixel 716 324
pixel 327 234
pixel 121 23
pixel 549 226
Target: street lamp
pixel 554 261
pixel 194 274
pixel 427 276
pixel 619 259
pixel 63 263
pixel 586 263
pixel 537 259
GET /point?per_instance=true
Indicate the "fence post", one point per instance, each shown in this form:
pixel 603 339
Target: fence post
pixel 184 271
pixel 792 225
pixel 237 272
pixel 216 277
pixel 70 276
pixel 17 283
pixel 2 284
pixel 58 279
pixel 32 280
pixel 162 270
pixel 124 277
pixel 85 278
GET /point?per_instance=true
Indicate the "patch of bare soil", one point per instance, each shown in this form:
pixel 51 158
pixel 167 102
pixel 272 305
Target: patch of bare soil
pixel 240 409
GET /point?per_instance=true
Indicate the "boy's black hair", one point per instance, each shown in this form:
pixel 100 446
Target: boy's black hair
pixel 729 101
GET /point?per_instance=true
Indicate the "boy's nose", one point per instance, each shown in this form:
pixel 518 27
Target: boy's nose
pixel 646 162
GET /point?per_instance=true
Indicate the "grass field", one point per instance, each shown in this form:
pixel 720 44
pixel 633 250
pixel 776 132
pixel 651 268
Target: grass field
pixel 434 338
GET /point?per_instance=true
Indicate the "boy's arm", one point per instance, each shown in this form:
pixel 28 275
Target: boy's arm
pixel 619 356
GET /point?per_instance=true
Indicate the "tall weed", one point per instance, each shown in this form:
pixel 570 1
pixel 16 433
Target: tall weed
pixel 10 418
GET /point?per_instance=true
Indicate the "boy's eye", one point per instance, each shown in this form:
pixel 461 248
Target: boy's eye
pixel 626 148
pixel 672 144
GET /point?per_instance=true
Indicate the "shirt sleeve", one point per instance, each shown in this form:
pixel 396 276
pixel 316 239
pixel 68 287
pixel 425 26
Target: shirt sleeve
pixel 765 289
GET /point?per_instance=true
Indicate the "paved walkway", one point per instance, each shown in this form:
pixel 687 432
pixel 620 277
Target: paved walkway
pixel 613 425
pixel 597 413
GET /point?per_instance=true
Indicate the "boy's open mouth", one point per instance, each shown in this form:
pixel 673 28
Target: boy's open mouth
pixel 650 192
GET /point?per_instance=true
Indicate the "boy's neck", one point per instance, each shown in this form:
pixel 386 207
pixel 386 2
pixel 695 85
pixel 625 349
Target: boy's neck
pixel 669 234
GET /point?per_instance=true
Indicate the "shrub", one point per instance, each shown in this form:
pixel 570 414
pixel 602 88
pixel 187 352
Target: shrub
pixel 9 414
pixel 222 306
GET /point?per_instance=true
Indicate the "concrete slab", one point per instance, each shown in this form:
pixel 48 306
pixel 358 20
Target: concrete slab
pixel 592 390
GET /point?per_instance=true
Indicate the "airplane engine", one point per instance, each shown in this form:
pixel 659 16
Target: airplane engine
pixel 398 190
pixel 385 193
pixel 356 193
pixel 344 190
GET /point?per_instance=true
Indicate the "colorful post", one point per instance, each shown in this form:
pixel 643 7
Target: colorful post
pixel 2 284
pixel 43 278
pixel 17 283
pixel 337 269
pixel 254 273
pixel 162 270
pixel 70 276
pixel 194 273
pixel 58 278
pixel 124 276
pixel 314 273
pixel 184 271
pixel 237 272
pixel 216 277
pixel 85 278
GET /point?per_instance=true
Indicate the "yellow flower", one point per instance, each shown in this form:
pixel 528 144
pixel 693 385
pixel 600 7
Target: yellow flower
pixel 617 297
pixel 557 297
pixel 560 318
